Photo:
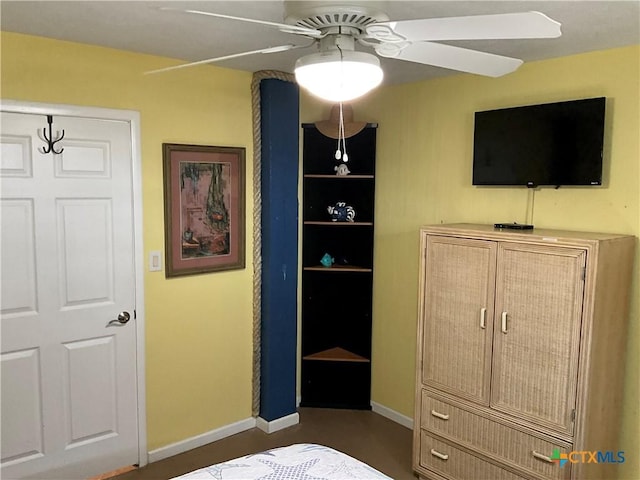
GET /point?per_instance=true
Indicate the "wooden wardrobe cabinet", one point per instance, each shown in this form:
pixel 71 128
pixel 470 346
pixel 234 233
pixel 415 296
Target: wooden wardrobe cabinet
pixel 521 339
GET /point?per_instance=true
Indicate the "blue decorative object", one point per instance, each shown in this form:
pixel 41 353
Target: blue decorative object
pixel 341 212
pixel 327 260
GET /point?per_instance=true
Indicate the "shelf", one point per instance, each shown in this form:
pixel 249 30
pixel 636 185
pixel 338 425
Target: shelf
pixel 313 126
pixel 314 175
pixel 313 222
pixel 338 268
pixel 336 354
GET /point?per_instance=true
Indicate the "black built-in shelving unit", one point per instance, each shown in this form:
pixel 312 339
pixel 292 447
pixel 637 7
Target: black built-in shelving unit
pixel 337 300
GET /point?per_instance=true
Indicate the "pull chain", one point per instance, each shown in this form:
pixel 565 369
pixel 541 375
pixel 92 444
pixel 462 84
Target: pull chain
pixel 341 155
pixel 345 157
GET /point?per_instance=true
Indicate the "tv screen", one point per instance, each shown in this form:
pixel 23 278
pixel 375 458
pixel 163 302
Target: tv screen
pixel 550 144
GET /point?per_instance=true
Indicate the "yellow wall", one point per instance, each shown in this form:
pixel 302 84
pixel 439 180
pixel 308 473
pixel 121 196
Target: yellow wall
pixel 424 176
pixel 198 328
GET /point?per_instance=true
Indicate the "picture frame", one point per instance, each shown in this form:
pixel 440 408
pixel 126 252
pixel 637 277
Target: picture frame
pixel 204 208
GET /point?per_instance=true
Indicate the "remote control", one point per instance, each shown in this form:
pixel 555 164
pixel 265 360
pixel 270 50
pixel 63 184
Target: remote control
pixel 513 226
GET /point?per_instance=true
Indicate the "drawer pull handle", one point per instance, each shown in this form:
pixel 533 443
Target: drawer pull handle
pixel 483 318
pixel 443 416
pixel 542 457
pixel 441 456
pixel 504 322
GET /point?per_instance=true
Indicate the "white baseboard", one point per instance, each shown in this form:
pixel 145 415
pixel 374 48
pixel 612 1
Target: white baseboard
pixel 202 439
pixel 392 415
pixel 278 423
pixel 262 424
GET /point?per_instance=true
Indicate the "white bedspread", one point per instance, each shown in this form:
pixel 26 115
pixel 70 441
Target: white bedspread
pixel 296 462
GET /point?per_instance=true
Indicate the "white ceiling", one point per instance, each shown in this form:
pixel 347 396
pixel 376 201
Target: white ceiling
pixel 140 26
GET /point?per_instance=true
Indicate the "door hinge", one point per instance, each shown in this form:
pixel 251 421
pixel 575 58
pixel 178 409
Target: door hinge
pixel 573 415
pixel 584 273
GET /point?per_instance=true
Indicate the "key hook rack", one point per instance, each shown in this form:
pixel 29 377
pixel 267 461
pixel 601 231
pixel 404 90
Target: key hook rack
pixel 50 147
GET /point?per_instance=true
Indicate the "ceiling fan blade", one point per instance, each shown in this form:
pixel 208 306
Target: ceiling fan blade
pixel 280 48
pixel 456 58
pixel 283 27
pixel 476 27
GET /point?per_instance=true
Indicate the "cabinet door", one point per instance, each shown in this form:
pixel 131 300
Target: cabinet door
pixel 458 310
pixel 539 295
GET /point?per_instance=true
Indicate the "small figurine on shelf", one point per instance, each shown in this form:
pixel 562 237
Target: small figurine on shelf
pixel 342 261
pixel 341 212
pixel 327 260
pixel 342 170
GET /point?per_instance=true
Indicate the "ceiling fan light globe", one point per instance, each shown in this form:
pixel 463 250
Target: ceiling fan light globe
pixel 336 78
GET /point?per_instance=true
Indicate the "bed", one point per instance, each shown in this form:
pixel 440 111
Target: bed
pixel 303 461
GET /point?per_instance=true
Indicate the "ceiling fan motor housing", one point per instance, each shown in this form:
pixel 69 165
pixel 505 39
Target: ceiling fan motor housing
pixel 342 40
pixel 322 15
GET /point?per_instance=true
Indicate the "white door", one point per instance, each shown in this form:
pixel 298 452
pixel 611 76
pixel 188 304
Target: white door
pixel 69 401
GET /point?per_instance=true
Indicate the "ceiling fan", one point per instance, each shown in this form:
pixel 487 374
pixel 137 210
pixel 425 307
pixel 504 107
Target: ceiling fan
pixel 338 72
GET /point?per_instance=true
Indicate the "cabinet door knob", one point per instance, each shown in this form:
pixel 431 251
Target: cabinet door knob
pixel 443 416
pixel 542 457
pixel 442 456
pixel 483 318
pixel 504 322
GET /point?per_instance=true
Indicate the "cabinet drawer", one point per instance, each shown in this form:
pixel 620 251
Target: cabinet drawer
pixel 493 439
pixel 448 461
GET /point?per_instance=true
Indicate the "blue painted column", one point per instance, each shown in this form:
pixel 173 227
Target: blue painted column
pixel 279 102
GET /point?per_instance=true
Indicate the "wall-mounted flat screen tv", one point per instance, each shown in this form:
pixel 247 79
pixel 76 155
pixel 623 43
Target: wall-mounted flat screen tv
pixel 552 144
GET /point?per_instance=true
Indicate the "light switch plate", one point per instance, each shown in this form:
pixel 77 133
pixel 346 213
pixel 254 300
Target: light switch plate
pixel 155 261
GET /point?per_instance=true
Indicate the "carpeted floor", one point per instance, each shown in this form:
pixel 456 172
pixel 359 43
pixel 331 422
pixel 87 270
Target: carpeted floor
pixel 364 435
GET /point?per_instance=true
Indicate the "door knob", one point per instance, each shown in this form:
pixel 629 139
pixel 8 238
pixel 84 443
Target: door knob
pixel 123 317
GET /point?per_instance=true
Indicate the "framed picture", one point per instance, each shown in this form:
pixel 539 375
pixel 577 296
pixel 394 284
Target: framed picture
pixel 204 208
